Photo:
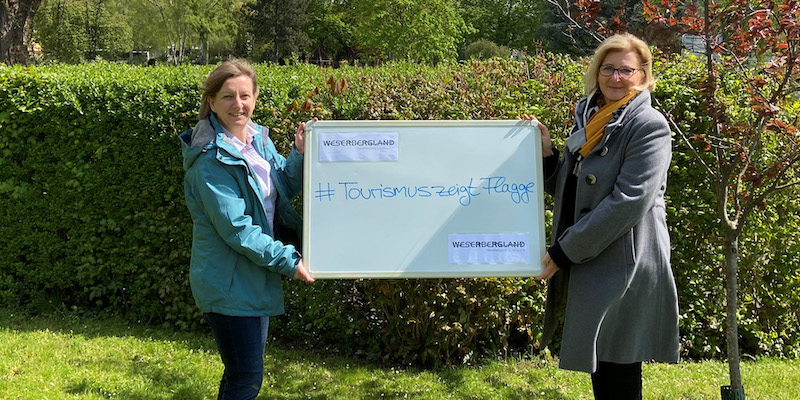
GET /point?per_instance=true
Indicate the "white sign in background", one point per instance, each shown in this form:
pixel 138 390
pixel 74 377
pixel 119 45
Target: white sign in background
pixel 368 216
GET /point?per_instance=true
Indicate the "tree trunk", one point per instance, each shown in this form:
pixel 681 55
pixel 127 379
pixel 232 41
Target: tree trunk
pixel 16 22
pixel 731 289
pixel 205 48
pixel 182 44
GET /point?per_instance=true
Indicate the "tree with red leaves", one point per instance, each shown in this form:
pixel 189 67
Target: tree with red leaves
pixel 748 156
pixel 750 151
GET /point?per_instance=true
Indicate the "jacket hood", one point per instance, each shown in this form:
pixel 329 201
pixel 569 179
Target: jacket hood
pixel 197 141
pixel 202 138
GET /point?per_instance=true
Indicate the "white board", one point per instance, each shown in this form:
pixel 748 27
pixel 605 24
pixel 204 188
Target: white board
pixel 423 199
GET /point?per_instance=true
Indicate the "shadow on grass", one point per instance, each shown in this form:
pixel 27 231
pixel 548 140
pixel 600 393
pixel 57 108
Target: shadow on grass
pixel 179 383
pixel 305 374
pixel 181 392
pixel 99 326
pixel 290 373
pixel 456 378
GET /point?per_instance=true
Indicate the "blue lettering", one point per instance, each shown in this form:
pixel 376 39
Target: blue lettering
pixel 520 193
pixel 468 193
pixel 353 190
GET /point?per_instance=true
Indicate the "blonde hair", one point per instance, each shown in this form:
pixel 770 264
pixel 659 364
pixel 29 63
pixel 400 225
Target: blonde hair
pixel 620 42
pixel 228 69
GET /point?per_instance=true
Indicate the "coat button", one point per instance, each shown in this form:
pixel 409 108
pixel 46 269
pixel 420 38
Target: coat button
pixel 591 179
pixel 604 151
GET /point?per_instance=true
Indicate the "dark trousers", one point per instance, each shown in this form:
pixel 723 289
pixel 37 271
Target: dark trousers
pixel 617 381
pixel 241 342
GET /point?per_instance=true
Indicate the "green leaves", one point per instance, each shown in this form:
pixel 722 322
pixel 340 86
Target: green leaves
pixel 421 31
pixel 93 214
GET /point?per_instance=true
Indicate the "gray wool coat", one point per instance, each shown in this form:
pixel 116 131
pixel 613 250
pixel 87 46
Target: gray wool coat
pixel 618 299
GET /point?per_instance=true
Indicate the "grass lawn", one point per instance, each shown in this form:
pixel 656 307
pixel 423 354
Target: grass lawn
pixel 72 357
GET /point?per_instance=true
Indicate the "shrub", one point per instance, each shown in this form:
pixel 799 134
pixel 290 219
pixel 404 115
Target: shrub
pixel 483 49
pixel 93 216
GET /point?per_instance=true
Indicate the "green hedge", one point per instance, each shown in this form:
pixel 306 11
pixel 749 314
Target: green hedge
pixel 93 217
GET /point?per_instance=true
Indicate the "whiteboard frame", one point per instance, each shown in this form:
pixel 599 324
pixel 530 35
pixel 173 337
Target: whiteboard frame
pixel 355 270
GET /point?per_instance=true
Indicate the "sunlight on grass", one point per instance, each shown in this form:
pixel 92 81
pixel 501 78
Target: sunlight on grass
pixel 68 357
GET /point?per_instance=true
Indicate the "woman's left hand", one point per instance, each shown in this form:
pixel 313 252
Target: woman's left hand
pixel 550 268
pixel 300 137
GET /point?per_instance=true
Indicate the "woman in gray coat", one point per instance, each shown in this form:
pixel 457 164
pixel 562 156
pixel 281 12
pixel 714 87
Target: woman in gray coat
pixel 608 271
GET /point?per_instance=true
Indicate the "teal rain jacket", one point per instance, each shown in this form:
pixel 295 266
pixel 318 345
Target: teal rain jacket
pixel 236 261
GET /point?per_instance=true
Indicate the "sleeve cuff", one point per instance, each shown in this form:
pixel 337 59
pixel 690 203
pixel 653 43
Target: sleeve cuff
pixel 551 163
pixel 558 256
pixel 294 150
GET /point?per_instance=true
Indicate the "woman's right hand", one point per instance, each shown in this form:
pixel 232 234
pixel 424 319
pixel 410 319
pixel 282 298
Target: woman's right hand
pixel 300 137
pixel 547 143
pixel 302 273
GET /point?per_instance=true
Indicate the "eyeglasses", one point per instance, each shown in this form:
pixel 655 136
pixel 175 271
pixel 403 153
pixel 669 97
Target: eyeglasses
pixel 624 72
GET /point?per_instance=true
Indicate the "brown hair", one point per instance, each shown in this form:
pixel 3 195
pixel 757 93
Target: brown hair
pixel 620 42
pixel 228 69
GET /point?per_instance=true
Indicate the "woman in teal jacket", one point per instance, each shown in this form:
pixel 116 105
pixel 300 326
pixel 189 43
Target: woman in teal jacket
pixel 238 190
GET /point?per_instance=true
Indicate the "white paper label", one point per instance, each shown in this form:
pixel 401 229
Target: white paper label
pixel 358 147
pixel 503 248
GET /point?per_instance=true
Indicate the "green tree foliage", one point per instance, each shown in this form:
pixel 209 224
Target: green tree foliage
pixel 189 22
pixel 60 29
pixel 144 22
pixel 330 31
pixel 277 29
pixel 427 31
pixel 77 30
pixel 214 23
pixel 506 23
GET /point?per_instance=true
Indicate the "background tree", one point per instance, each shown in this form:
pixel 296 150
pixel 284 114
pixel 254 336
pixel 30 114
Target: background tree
pixel 746 141
pixel 77 30
pixel 59 28
pixel 510 23
pixel 578 25
pixel 145 23
pixel 173 15
pixel 743 134
pixel 277 28
pixel 218 17
pixel 330 31
pixel 187 22
pixel 426 31
pixel 16 27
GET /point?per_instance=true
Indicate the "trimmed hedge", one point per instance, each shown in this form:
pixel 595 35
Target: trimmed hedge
pixel 93 217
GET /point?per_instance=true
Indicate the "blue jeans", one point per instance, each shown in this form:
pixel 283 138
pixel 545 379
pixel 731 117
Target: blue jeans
pixel 241 342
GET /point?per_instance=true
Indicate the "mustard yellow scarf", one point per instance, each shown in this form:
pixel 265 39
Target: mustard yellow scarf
pixel 597 123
